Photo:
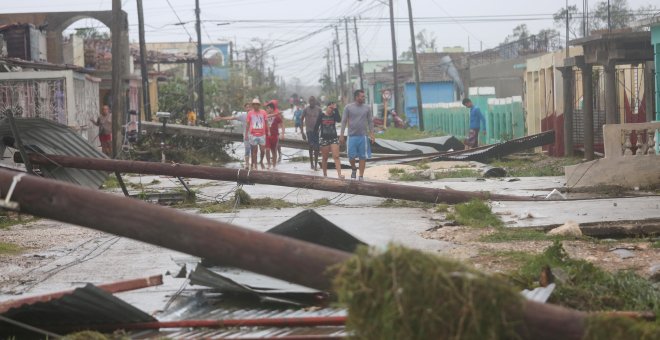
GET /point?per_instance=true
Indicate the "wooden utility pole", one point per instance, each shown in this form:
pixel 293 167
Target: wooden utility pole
pixel 341 70
pixel 334 69
pixel 357 43
pixel 420 111
pixel 327 63
pixel 395 76
pixel 349 89
pixel 376 189
pixel 198 69
pixel 117 74
pixel 146 102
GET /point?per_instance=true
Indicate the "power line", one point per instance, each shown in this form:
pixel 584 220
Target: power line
pixel 180 22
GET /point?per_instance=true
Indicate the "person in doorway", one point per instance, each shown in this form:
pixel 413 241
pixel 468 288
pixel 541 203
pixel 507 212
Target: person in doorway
pixel 272 142
pixel 297 118
pixel 257 122
pixel 360 121
pixel 328 140
pixel 242 117
pixel 192 117
pixel 476 121
pixel 104 122
pixel 310 114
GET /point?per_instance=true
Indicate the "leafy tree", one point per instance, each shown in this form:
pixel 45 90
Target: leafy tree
pixel 620 14
pixel 92 33
pixel 574 20
pixel 425 42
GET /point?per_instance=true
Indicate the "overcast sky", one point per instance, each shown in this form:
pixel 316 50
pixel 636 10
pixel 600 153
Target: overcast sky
pixel 453 23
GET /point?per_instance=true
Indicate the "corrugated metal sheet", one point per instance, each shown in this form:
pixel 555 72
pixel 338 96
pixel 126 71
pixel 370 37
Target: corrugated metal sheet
pixel 327 332
pixel 87 305
pixel 396 147
pixel 57 139
pixel 309 226
pixel 208 307
pixel 485 153
pixel 443 143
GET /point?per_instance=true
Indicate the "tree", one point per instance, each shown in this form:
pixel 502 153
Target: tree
pixel 620 14
pixel 426 42
pixel 92 33
pixel 574 21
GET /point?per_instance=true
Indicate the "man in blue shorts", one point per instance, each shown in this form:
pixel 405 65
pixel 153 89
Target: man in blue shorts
pixel 360 122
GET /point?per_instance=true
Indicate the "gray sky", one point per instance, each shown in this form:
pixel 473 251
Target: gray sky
pixel 488 22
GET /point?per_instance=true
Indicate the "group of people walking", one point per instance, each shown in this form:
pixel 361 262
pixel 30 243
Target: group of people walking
pixel 264 129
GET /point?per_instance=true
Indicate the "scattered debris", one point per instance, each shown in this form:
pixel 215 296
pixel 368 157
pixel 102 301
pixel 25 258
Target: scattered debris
pixel 623 253
pixel 570 228
pixel 539 294
pixel 555 195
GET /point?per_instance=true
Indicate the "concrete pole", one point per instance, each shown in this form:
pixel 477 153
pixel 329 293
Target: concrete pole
pixel 420 112
pixel 609 72
pixel 588 111
pixel 568 90
pixel 395 77
pixel 649 90
pixel 357 43
pixel 143 66
pixel 117 81
pixel 342 85
pixel 348 62
pixel 198 68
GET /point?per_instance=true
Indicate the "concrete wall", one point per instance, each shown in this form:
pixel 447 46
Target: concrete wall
pixel 507 77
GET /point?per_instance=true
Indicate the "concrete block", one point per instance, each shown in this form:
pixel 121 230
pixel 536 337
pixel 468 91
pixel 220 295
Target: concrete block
pixel 627 172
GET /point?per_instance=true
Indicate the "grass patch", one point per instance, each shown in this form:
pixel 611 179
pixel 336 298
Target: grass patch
pixel 321 202
pixel 535 165
pixel 407 134
pixel 299 159
pixel 655 244
pixel 410 177
pixel 9 221
pixel 475 213
pixel 111 182
pixel 243 201
pixel 461 173
pixel 422 165
pixel 587 287
pixel 154 181
pixel 392 203
pixel 9 248
pixel 397 171
pixel 442 208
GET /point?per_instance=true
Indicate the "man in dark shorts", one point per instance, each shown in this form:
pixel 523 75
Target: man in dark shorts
pixel 476 120
pixel 309 117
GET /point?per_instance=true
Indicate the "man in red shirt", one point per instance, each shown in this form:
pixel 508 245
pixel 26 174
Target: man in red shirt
pixel 257 122
pixel 276 124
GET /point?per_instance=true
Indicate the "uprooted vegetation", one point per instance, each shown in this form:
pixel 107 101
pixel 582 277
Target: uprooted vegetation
pixel 534 165
pixel 181 149
pixel 422 172
pixel 475 213
pixel 405 293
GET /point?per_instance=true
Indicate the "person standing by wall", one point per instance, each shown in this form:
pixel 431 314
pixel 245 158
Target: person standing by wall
pixel 328 141
pixel 257 122
pixel 310 114
pixel 476 120
pixel 359 119
pixel 104 122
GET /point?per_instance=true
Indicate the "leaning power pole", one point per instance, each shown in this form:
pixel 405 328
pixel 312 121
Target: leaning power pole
pixel 198 68
pixel 341 70
pixel 420 112
pixel 357 43
pixel 146 102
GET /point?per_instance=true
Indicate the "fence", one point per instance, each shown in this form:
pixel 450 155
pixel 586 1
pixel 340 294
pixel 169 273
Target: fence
pixel 505 118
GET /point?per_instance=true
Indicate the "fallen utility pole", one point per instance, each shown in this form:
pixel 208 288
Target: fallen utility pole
pixel 222 243
pixel 384 190
pixel 263 253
